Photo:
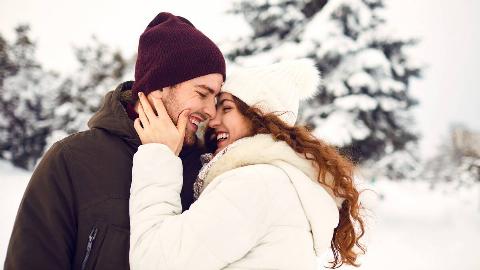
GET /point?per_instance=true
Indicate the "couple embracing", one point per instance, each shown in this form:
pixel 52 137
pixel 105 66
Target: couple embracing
pixel 140 190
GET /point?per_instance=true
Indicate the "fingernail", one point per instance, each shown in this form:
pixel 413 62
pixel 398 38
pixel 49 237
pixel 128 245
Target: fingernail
pixel 139 94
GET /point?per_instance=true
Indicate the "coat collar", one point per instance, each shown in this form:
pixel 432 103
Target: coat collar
pixel 246 152
pixel 318 201
pixel 113 118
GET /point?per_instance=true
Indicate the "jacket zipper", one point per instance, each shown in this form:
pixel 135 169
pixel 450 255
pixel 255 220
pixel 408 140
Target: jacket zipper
pixel 91 239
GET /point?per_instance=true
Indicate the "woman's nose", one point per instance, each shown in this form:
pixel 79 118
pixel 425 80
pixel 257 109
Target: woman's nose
pixel 214 122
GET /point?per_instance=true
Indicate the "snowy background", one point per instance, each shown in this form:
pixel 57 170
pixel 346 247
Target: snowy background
pixel 413 227
pixel 401 96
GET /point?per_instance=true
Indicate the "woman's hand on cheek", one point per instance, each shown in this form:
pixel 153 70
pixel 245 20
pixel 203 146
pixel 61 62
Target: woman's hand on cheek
pixel 159 128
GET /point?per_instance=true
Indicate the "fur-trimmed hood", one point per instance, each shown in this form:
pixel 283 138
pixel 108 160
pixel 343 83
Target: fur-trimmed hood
pixel 263 149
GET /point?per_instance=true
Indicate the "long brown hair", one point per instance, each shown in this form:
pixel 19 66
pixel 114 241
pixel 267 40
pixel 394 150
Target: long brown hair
pixel 330 163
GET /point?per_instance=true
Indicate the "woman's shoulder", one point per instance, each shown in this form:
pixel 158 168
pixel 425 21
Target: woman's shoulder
pixel 260 172
pixel 251 177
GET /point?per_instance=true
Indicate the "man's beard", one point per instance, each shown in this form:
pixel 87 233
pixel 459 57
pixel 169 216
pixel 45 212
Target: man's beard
pixel 190 137
pixel 173 110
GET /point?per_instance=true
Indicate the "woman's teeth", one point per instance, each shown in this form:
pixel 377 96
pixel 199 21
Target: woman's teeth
pixel 222 136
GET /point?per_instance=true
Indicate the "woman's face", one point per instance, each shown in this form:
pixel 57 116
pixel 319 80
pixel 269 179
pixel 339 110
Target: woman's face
pixel 228 125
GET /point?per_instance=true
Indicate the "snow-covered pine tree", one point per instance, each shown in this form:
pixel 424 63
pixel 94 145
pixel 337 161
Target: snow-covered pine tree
pixel 7 67
pixel 27 95
pixel 100 70
pixel 457 160
pixel 364 104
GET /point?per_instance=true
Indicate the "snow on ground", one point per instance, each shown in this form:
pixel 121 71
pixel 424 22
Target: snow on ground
pixel 13 182
pixel 413 227
pixel 416 227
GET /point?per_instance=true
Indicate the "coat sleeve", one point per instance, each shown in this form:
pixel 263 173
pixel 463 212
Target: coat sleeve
pixel 218 229
pixel 43 235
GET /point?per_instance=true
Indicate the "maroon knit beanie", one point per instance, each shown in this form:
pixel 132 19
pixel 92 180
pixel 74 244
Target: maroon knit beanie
pixel 170 51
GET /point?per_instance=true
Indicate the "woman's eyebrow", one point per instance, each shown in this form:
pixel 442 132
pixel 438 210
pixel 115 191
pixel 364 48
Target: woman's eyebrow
pixel 220 103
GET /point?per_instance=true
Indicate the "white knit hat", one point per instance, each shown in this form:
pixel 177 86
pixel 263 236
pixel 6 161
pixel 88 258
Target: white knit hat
pixel 276 88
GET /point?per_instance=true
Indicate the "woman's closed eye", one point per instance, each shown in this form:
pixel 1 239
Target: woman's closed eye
pixel 226 109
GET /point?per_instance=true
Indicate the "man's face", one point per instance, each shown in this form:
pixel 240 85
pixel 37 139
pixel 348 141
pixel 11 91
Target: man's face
pixel 198 95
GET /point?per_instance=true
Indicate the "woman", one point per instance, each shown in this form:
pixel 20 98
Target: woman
pixel 271 197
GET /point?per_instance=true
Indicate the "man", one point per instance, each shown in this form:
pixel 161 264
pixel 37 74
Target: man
pixel 74 213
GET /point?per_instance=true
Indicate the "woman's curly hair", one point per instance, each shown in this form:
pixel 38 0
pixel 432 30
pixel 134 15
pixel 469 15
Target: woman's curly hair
pixel 345 243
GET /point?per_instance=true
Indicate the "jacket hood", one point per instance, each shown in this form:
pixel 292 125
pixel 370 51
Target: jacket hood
pixel 113 118
pixel 317 200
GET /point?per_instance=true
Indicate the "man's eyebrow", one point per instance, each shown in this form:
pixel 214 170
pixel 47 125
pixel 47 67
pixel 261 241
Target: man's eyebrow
pixel 206 88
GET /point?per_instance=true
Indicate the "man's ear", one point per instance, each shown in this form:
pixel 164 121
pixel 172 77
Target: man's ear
pixel 156 94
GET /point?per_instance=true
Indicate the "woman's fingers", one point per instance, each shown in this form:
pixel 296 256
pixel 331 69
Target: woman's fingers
pixel 160 108
pixel 181 126
pixel 182 123
pixel 160 129
pixel 146 106
pixel 140 131
pixel 137 125
pixel 143 117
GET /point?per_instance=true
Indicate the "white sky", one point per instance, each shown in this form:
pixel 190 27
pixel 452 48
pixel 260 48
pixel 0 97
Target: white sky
pixel 449 31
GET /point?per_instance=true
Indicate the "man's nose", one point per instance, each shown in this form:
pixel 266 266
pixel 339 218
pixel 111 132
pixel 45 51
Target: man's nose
pixel 210 110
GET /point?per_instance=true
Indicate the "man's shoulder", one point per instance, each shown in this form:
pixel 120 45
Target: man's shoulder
pixel 87 136
pixel 84 140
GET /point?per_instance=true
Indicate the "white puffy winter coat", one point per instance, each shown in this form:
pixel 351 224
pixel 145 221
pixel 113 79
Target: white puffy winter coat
pixel 259 210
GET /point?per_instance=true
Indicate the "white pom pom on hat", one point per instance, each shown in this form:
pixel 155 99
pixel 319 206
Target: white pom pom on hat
pixel 276 88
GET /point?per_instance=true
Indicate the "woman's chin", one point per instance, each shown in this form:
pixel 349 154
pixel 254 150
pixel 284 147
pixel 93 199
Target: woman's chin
pixel 218 150
pixel 221 145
